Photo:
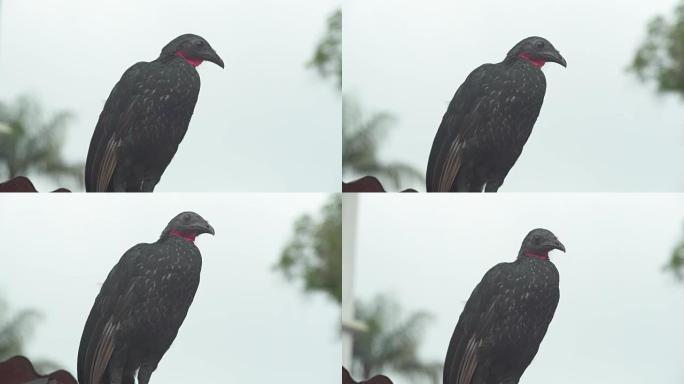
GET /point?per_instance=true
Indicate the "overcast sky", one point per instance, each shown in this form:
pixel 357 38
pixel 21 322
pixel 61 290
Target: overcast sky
pixel 246 324
pixel 599 129
pixel 619 317
pixel 264 123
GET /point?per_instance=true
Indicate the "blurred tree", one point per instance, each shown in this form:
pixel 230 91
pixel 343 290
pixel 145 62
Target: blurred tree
pixel 14 330
pixel 314 254
pixel 30 144
pixel 676 263
pixel 391 342
pixel 361 139
pixel 327 57
pixel 660 57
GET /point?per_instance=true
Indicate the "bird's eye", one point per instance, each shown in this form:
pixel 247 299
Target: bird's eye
pixel 199 43
pixel 539 44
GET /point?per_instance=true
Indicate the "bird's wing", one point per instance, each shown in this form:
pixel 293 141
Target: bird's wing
pixel 463 359
pixel 97 341
pixel 123 107
pixel 469 106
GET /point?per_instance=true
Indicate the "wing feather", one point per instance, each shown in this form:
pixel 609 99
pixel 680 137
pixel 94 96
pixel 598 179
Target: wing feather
pixel 464 114
pixel 120 110
pixel 98 340
pixel 463 355
pixel 469 362
pixel 108 164
pixel 103 352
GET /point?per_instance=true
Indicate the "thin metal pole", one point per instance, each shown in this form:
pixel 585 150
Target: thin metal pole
pixel 349 214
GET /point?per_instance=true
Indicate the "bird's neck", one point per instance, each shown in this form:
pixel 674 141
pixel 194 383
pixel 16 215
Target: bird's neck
pixel 536 62
pixel 188 236
pixel 189 60
pixel 541 255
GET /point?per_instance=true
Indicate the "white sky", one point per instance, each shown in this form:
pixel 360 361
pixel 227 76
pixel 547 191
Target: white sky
pixel 246 324
pixel 600 129
pixel 265 123
pixel 619 317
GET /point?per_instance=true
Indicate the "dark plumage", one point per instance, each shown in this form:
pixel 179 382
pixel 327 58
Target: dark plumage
pixel 489 120
pixel 146 117
pixel 506 317
pixel 141 305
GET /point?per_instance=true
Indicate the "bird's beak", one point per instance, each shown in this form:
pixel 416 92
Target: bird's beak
pixel 555 57
pixel 204 228
pixel 210 229
pixel 556 244
pixel 212 56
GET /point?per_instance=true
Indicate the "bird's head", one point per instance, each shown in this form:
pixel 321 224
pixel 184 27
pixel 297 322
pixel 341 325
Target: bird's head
pixel 187 225
pixel 538 243
pixel 193 49
pixel 537 51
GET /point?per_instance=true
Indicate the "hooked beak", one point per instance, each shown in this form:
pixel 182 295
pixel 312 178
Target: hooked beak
pixel 204 228
pixel 555 57
pixel 556 244
pixel 212 56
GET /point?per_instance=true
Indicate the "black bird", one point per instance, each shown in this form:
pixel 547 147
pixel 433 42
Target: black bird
pixel 141 305
pixel 146 117
pixel 506 317
pixel 489 120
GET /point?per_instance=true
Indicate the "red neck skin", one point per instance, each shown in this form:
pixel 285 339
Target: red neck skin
pixel 537 63
pixel 191 61
pixel 184 235
pixel 540 256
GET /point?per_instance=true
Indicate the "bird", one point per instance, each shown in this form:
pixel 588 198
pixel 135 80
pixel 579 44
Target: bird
pixel 506 317
pixel 146 117
pixel 489 120
pixel 141 305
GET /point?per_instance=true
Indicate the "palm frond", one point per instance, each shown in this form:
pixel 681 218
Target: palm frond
pixel 14 330
pixel 391 341
pixel 362 137
pixel 29 143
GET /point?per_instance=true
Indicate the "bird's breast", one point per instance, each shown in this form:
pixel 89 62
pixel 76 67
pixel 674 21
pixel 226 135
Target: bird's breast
pixel 166 113
pixel 510 116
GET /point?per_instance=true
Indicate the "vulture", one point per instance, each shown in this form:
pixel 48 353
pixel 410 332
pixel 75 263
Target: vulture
pixel 141 305
pixel 146 117
pixel 506 317
pixel 489 120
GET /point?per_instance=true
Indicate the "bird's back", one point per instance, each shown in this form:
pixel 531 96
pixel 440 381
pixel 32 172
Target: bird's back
pixel 451 128
pixel 142 123
pixel 96 343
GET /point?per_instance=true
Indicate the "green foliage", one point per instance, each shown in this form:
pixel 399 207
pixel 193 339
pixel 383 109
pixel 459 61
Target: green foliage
pixel 660 57
pixel 314 254
pixel 676 263
pixel 391 341
pixel 30 144
pixel 327 58
pixel 361 139
pixel 14 329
